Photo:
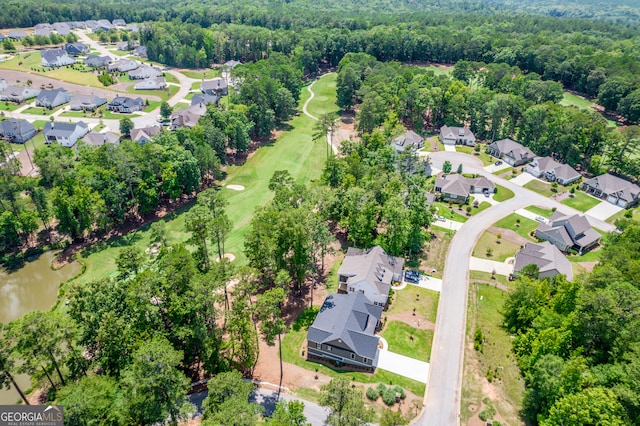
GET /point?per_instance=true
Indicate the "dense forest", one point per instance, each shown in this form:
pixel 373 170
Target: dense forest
pixel 577 343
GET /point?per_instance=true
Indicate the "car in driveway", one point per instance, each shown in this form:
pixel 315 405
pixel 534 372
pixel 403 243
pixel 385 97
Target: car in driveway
pixel 485 192
pixel 412 277
pixel 498 163
pixel 541 219
pixel 440 218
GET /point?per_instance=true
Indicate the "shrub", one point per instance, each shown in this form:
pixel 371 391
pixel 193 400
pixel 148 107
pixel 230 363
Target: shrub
pixel 478 340
pixel 389 396
pixel 381 388
pixel 400 390
pixel 372 393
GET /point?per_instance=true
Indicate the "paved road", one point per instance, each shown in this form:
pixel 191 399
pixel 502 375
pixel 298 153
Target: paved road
pixel 442 400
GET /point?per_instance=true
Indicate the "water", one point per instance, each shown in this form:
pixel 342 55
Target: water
pixel 32 287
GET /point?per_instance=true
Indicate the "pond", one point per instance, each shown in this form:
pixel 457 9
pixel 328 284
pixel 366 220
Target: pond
pixel 32 287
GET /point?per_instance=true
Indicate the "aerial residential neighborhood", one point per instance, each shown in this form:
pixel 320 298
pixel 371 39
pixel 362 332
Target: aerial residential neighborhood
pixel 320 213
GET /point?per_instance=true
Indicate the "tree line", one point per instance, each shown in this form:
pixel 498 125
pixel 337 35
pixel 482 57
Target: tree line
pixel 576 342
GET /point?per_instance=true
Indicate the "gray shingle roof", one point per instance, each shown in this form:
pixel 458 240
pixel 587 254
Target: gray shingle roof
pixel 47 96
pixel 610 184
pixel 349 320
pixel 546 256
pixel 99 139
pixel 15 126
pixel 573 230
pixel 373 266
pixel 406 140
pixel 204 99
pixel 456 132
pixel 513 149
pixel 215 84
pixel 87 101
pixel 62 129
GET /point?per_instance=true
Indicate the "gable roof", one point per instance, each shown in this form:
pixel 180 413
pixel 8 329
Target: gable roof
pixel 610 184
pixel 146 133
pixel 76 47
pixel 62 28
pixel 50 95
pixel 188 117
pixel 52 55
pixel 14 126
pixel 99 139
pixel 127 101
pixel 87 101
pixel 561 171
pixel 17 34
pixel 573 230
pixel 145 71
pixel 452 132
pixel 347 320
pixel 97 61
pixel 453 184
pixel 204 98
pixel 217 83
pixel 406 140
pixel 513 149
pixel 62 129
pixel 545 256
pixel 373 267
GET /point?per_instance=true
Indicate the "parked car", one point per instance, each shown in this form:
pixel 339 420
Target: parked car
pixel 485 192
pixel 498 163
pixel 440 218
pixel 541 219
pixel 412 277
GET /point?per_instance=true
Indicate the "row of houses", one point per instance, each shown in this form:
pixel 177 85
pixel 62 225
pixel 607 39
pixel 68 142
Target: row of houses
pixel 211 92
pixel 343 332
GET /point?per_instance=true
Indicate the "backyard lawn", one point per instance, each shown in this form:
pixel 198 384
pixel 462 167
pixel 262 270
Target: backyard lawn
pixel 494 361
pixel 293 150
pixel 425 302
pixel 499 251
pixel 581 201
pixel 523 226
pixel 502 193
pixel 408 341
pixel 540 187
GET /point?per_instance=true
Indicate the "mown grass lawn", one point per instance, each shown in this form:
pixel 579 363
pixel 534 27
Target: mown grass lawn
pixel 569 99
pixel 523 226
pixel 41 111
pixel 499 252
pixel 162 94
pixel 31 62
pixel 633 214
pixel 486 276
pixel 590 256
pixel 324 90
pixel 540 187
pixel 293 150
pixel 202 74
pixel 439 70
pixel 9 106
pixel 408 341
pixel 481 155
pixel 481 207
pixel 495 359
pixel 581 201
pixel 292 347
pixel 451 213
pixel 502 193
pixel 425 302
pixel 546 213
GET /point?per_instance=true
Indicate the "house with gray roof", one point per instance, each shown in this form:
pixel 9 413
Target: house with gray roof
pixel 457 188
pixel 17 131
pixel 216 86
pixel 42 25
pixel 547 257
pixel 145 134
pixel 97 139
pixel 568 232
pixel 370 272
pixel 66 134
pixel 119 22
pixel 102 25
pixel 76 49
pixel 90 23
pixel 552 171
pixel 140 51
pixel 511 152
pixel 123 65
pixel 46 32
pixel 132 27
pixel 122 45
pixel 144 72
pixel 52 98
pixel 96 61
pixel 343 332
pixel 450 135
pixel 126 105
pixel 17 34
pixel 615 190
pixel 408 140
pixel 18 94
pixel 204 99
pixel 61 28
pixel 154 83
pixel 56 58
pixel 86 102
pixel 188 117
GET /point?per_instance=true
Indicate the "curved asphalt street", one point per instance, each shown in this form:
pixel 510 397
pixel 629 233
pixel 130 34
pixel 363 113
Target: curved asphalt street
pixel 442 399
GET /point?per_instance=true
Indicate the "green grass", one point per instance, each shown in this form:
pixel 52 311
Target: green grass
pixel 502 193
pixel 425 302
pixel 540 187
pixel 171 78
pixel 9 106
pixel 484 313
pixel 202 74
pixel 162 94
pixel 41 111
pixel 195 86
pixel 481 155
pixel 454 214
pixel 481 207
pixel 500 252
pixel 634 215
pixel 442 70
pixel 569 99
pixel 324 90
pixel 486 276
pixel 292 344
pixel 294 150
pixel 399 337
pixel 546 213
pixel 522 228
pixel 581 201
pixel 590 256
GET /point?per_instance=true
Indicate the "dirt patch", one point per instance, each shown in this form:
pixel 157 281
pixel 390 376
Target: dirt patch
pixel 432 143
pixel 509 235
pixel 588 266
pixel 415 321
pixel 435 253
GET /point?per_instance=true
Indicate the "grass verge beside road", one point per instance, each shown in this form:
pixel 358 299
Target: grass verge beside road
pixel 486 159
pixel 540 211
pixel 503 194
pixel 540 187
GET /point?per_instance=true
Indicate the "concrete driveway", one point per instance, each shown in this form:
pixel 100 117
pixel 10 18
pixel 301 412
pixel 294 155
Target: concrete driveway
pixel 451 225
pixel 603 211
pixel 450 148
pixel 486 265
pixel 529 215
pixel 523 178
pixel 403 366
pixel 492 168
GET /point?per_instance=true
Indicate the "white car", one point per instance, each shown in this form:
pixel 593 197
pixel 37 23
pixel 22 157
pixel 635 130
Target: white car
pixel 541 219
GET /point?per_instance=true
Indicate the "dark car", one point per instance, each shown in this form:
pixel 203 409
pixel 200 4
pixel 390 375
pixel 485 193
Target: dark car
pixel 498 163
pixel 412 277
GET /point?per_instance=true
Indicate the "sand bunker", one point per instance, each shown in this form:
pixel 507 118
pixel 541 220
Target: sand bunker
pixel 236 187
pixel 229 256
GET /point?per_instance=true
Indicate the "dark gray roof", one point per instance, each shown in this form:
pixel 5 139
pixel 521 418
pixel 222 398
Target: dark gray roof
pixel 17 34
pixel 49 96
pixel 87 101
pixel 203 99
pixel 406 140
pixel 217 83
pixel 546 256
pixel 127 102
pixel 15 126
pixel 52 55
pixel 119 22
pixel 75 48
pixel 513 149
pixel 347 320
pixel 140 51
pixel 97 61
pixel 573 230
pixel 62 28
pixel 373 266
pixel 610 184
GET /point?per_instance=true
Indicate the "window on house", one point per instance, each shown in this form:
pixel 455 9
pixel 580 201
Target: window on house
pixel 329 348
pixel 365 360
pixel 353 356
